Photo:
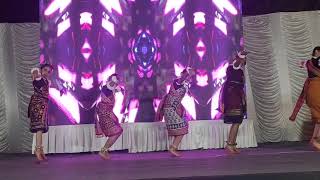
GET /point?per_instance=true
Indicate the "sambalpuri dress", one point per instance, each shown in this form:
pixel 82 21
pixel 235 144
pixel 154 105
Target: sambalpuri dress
pixel 108 123
pixel 233 96
pixel 173 111
pixel 38 106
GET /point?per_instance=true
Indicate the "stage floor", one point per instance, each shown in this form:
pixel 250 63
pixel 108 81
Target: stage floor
pixel 269 161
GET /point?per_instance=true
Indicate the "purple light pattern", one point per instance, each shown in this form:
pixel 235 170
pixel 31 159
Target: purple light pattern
pixel 67 103
pixel 173 5
pixel 199 19
pixel 112 5
pixel 55 5
pixel 70 105
pixel 225 5
pixel 107 25
pixel 63 26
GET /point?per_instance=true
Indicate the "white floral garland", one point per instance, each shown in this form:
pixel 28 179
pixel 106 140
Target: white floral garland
pixel 235 67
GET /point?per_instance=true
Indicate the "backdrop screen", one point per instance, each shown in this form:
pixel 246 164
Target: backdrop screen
pixel 147 42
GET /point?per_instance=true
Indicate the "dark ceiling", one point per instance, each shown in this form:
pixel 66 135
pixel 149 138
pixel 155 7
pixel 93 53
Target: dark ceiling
pixel 18 11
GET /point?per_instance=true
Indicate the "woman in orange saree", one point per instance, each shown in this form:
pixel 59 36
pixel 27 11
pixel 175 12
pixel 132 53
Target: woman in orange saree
pixel 310 93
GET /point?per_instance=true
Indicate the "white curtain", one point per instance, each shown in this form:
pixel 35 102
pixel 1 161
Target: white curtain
pixel 276 42
pixel 19 52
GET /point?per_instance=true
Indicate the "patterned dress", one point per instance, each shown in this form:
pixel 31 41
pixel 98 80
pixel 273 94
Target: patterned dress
pixel 108 121
pixel 173 111
pixel 233 96
pixel 38 106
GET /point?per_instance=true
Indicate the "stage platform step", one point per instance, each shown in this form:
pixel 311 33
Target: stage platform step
pixel 292 161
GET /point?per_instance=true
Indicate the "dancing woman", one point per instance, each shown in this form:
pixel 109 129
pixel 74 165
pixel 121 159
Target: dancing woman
pixel 310 93
pixel 108 123
pixel 232 100
pixel 38 106
pixel 172 110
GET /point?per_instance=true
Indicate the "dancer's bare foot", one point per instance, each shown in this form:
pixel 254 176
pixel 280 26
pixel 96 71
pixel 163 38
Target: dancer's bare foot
pixel 312 140
pixel 236 150
pixel 104 154
pixel 37 152
pixel 173 151
pixel 315 144
pixel 231 148
pixel 43 155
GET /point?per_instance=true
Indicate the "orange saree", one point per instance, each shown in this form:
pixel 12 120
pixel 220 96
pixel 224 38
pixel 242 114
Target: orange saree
pixel 310 93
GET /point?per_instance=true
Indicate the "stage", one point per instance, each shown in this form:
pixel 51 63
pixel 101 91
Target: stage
pixel 146 137
pixel 269 161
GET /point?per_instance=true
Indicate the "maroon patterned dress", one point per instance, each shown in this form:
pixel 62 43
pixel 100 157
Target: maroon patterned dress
pixel 233 96
pixel 108 121
pixel 38 106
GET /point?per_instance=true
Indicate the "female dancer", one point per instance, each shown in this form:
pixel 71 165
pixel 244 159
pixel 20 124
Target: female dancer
pixel 232 100
pixel 108 121
pixel 310 93
pixel 38 106
pixel 173 111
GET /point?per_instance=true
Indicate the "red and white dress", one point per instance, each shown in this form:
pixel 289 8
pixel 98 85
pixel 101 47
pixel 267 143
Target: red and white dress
pixel 108 123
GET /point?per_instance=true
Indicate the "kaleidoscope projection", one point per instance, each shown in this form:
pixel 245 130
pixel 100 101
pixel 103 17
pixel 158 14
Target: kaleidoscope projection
pixel 73 39
pixel 144 53
pixel 208 32
pixel 147 42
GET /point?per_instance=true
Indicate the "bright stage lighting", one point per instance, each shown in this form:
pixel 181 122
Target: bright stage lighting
pixel 215 104
pixel 67 103
pixel 66 75
pixel 145 41
pixel 202 78
pixel 221 25
pixel 86 21
pixel 86 81
pixel 219 76
pixel 112 5
pixel 63 26
pixel 178 68
pixel 55 5
pixel 225 5
pixel 200 49
pixel 118 105
pixel 199 19
pixel 173 5
pixel 107 25
pixel 144 53
pixel 220 73
pixel 178 25
pixel 133 110
pixel 86 50
pixel 85 18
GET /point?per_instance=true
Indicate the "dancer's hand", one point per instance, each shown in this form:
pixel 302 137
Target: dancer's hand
pixel 291 118
pixel 302 64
